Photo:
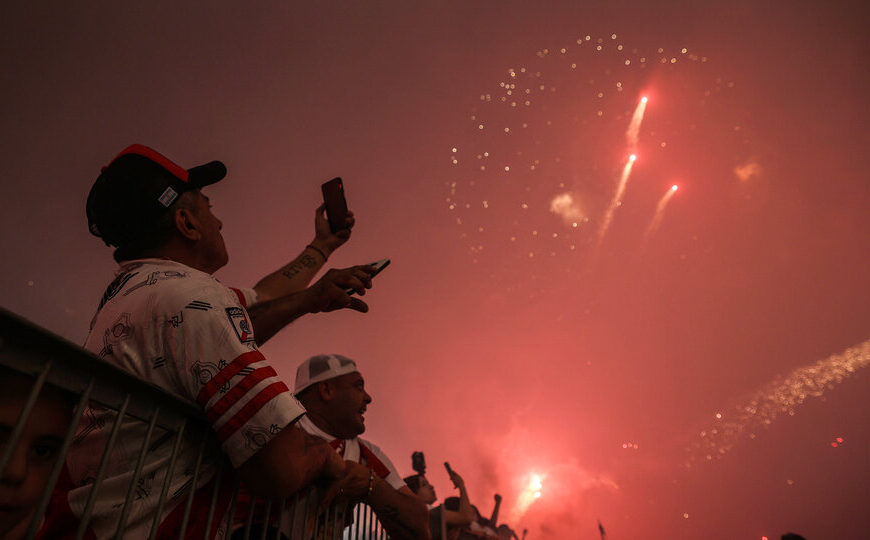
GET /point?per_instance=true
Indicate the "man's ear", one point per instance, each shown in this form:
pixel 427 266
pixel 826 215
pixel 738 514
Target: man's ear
pixel 325 390
pixel 187 224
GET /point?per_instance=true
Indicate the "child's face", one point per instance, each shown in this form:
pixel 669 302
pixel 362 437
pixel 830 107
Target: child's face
pixel 27 472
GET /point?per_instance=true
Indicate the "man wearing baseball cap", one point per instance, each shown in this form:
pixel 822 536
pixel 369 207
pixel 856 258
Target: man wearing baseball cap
pixel 165 319
pixel 333 392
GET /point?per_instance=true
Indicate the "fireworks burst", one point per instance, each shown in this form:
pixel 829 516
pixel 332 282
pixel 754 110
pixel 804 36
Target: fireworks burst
pixel 536 163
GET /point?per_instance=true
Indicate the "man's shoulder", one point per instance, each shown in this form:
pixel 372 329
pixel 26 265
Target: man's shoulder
pixel 376 450
pixel 168 284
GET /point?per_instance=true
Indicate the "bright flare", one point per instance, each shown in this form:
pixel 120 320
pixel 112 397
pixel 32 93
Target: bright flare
pixel 660 212
pixel 633 132
pixel 529 494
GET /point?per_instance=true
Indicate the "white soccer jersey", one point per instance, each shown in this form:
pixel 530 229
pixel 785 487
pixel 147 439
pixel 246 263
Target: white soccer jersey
pixel 182 330
pixel 360 451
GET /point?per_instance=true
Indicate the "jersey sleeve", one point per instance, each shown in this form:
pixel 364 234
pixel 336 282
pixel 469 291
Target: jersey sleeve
pixel 392 477
pixel 247 296
pixel 218 364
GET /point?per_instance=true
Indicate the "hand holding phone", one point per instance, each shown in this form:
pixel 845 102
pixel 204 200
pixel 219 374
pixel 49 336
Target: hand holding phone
pixel 378 265
pixel 457 480
pixel 336 204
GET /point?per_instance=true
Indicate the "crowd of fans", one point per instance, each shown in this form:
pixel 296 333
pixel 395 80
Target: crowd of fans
pixel 456 518
pixel 167 321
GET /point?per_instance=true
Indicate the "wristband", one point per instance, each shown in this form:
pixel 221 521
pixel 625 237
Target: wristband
pixel 371 484
pixel 318 250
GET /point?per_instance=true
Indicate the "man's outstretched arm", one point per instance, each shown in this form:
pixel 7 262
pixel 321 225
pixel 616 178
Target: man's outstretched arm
pixel 327 294
pixel 298 273
pixel 289 462
pixel 403 515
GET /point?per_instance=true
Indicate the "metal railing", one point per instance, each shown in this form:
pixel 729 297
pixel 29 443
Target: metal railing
pixel 51 362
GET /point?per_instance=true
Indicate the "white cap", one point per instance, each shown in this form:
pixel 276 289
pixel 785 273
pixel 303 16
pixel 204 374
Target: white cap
pixel 322 368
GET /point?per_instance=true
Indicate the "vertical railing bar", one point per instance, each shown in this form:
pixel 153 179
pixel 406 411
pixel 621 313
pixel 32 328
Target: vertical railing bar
pixel 295 506
pixel 140 460
pixel 167 480
pixel 12 442
pixel 356 522
pixel 214 496
pixel 232 510
pixel 101 469
pixel 305 512
pixel 338 527
pixel 317 513
pixel 327 521
pixel 366 521
pixel 280 524
pixel 249 520
pixel 193 482
pixel 59 463
pixel 266 519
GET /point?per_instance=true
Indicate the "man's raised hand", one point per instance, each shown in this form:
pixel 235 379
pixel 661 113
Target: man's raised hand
pixel 324 239
pixel 329 292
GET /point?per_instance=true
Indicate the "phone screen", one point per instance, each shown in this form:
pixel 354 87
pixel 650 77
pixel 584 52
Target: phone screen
pixel 336 204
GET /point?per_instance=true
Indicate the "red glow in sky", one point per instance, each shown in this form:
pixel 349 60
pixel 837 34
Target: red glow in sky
pixel 499 339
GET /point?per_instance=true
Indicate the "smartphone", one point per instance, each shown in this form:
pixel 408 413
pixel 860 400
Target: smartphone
pixel 379 265
pixel 418 462
pixel 336 204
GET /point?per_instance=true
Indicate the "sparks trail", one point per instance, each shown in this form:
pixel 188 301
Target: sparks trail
pixel 617 197
pixel 778 397
pixel 633 132
pixel 660 212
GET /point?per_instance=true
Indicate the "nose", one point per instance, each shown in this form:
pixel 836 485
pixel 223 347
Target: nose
pixel 16 469
pixel 367 399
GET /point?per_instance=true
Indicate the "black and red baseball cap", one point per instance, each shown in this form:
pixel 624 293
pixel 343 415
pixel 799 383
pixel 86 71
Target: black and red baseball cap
pixel 138 187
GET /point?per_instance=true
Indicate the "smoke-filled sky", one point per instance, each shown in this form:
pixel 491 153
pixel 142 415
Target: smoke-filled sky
pixel 677 364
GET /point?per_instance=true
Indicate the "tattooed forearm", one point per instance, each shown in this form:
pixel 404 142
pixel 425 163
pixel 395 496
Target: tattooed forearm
pixel 304 261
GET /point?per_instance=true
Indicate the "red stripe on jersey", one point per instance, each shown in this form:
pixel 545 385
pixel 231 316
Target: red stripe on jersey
pixel 250 409
pixel 241 296
pixel 228 372
pixel 373 462
pixel 238 391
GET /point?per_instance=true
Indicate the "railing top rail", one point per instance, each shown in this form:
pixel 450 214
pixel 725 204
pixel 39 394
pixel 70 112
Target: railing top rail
pixel 26 348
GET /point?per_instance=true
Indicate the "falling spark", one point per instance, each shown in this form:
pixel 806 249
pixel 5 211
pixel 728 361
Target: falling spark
pixel 617 197
pixel 778 397
pixel 633 132
pixel 660 211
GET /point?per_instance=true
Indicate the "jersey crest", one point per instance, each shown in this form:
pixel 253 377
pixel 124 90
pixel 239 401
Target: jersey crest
pixel 240 323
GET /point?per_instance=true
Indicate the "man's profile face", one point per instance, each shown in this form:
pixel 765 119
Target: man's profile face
pixel 214 250
pixel 348 405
